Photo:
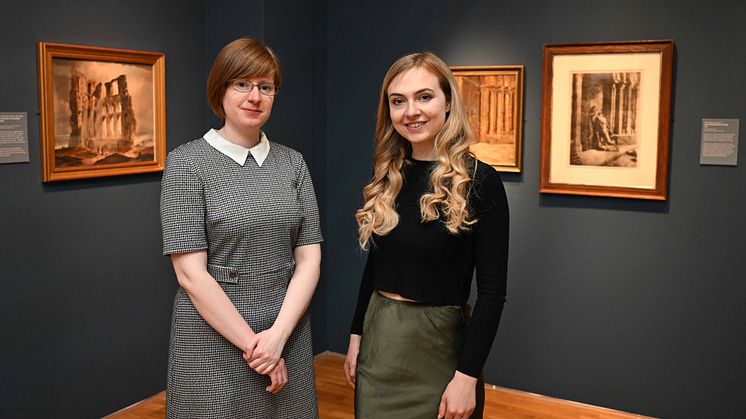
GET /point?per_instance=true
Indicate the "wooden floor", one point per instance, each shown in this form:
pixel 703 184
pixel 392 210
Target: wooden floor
pixel 336 400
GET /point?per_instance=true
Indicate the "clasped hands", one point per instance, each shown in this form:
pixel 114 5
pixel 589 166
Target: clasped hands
pixel 263 354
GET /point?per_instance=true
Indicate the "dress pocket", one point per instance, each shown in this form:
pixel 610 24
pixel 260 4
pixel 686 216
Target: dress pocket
pixel 223 274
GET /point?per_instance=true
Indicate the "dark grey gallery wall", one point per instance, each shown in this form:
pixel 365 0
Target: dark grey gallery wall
pixel 622 303
pixel 628 304
pixel 85 297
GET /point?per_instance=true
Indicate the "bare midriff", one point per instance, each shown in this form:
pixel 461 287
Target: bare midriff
pixel 396 297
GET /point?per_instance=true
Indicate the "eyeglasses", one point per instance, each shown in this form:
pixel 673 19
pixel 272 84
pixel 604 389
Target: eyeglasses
pixel 243 86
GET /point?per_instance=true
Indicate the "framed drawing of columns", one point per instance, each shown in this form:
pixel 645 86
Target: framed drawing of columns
pixel 606 119
pixel 493 97
pixel 102 111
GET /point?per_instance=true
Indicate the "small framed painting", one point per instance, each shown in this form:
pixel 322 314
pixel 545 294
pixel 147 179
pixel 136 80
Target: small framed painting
pixel 493 98
pixel 102 111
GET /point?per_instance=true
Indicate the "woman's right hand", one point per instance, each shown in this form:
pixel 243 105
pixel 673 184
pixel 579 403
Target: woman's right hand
pixel 278 377
pixel 264 350
pixel 351 360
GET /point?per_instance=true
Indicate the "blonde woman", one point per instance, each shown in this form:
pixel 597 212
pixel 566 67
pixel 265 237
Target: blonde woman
pixel 432 215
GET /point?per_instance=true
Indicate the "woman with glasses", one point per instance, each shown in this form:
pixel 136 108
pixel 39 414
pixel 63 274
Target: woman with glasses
pixel 241 225
pixel 432 215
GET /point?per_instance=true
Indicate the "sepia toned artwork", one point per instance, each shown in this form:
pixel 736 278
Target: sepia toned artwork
pixel 103 111
pixel 493 98
pixel 605 119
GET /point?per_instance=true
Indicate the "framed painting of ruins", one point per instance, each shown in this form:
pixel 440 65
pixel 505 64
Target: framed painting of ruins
pixel 493 98
pixel 605 119
pixel 102 111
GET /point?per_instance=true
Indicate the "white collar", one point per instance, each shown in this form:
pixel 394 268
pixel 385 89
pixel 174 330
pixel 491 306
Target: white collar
pixel 236 152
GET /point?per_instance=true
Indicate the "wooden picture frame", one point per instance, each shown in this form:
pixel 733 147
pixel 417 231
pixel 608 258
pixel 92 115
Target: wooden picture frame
pixel 102 111
pixel 493 98
pixel 606 119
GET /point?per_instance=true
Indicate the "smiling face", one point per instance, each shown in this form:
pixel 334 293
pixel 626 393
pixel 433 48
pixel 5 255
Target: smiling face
pixel 248 112
pixel 418 107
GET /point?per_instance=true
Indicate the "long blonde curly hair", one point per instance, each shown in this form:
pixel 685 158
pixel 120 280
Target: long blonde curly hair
pixel 450 179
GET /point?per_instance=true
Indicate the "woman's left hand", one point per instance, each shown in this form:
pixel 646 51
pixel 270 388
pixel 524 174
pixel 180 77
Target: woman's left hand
pixel 264 350
pixel 460 397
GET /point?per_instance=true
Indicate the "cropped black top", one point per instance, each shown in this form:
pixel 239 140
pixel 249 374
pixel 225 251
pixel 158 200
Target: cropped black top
pixel 422 261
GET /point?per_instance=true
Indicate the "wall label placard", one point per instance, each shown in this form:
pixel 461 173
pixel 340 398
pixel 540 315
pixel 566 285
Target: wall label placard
pixel 13 137
pixel 719 142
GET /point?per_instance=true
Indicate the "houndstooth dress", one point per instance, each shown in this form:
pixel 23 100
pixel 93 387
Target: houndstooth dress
pixel 248 218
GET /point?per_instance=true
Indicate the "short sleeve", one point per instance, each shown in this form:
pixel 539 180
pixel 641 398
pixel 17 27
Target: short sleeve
pixel 310 229
pixel 182 207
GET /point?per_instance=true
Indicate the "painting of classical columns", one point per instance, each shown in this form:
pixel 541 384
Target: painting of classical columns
pixel 493 98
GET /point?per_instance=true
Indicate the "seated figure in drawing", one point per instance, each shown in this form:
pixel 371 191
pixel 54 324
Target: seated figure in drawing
pixel 600 134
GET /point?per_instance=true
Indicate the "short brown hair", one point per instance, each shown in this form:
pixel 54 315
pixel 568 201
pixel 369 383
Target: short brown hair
pixel 241 59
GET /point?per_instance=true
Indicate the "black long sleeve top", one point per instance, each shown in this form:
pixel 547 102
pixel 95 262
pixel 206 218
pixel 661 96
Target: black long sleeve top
pixel 422 261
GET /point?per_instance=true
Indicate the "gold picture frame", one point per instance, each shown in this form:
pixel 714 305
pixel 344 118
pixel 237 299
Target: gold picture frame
pixel 493 98
pixel 102 111
pixel 606 119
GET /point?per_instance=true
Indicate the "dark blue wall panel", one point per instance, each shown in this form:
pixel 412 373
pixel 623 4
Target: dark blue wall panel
pixel 85 297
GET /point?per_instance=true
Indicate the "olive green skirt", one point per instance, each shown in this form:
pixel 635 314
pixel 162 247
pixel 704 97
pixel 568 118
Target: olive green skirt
pixel 408 355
